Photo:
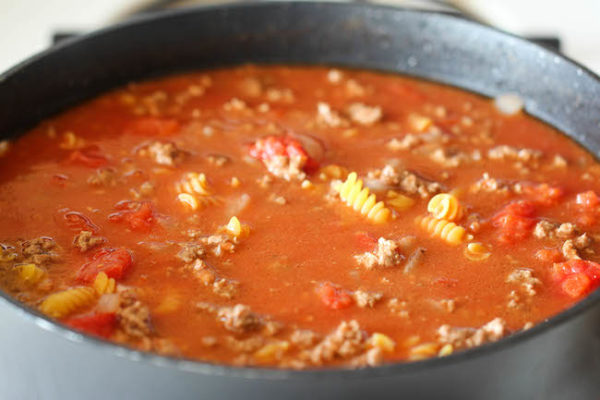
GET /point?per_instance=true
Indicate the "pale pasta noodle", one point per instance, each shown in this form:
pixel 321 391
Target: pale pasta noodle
pixel 103 284
pixel 360 199
pixel 61 304
pixel 444 206
pixel 443 229
pixel 31 273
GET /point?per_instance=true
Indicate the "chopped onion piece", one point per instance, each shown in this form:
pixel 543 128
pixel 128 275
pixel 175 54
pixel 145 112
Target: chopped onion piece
pixel 108 303
pixel 509 103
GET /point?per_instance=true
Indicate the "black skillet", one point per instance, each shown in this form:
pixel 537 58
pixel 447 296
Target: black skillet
pixel 557 359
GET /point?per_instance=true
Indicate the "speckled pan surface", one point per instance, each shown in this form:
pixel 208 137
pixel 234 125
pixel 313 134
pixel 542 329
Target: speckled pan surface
pixel 555 360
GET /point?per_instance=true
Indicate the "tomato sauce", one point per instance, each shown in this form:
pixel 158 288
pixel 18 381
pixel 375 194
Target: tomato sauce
pixel 133 194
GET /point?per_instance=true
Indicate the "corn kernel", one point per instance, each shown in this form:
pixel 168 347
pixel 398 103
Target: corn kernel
pixel 382 342
pixel 446 350
pixel 271 351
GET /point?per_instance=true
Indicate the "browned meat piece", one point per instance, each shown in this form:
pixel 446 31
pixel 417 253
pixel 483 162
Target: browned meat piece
pixel 504 152
pixel 386 254
pixel 191 251
pixel 39 250
pixel 407 181
pixel 366 299
pixel 133 316
pixel 288 168
pixel 347 341
pixel 460 337
pixel 524 277
pixel 239 319
pixel 165 153
pixel 226 288
pixel 86 240
pixel 363 114
pixel 103 177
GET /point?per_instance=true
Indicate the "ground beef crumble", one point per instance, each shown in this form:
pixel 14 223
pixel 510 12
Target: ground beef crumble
pixel 103 177
pixel 39 250
pixel 165 153
pixel 86 240
pixel 464 337
pixel 504 152
pixel 366 299
pixel 411 140
pixel 491 185
pixel 363 114
pixel 219 244
pixel 133 316
pixel 347 341
pixel 191 251
pixel 385 254
pixel 407 181
pixel 329 117
pixel 525 279
pixel 288 168
pixel 545 229
pixel 571 248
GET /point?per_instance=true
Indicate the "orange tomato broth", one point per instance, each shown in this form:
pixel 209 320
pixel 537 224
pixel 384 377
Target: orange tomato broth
pixel 294 247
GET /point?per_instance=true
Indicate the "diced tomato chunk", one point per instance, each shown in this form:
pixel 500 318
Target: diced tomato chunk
pixel 588 205
pixel 334 297
pixel 515 221
pixel 140 219
pixel 271 146
pixel 113 262
pixel 576 285
pixel 577 277
pixel 589 200
pixel 153 126
pixel 89 157
pixel 544 194
pixel 97 324
pixel 549 255
pixel 365 241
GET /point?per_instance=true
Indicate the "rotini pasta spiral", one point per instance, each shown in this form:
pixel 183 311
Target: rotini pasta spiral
pixel 193 182
pixel 443 229
pixel 31 273
pixel 61 304
pixel 398 201
pixel 194 191
pixel 103 284
pixel 477 251
pixel 444 206
pixel 361 199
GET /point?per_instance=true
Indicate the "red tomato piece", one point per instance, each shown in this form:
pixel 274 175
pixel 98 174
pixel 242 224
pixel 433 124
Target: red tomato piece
pixel 545 194
pixel 270 146
pixel 515 221
pixel 113 262
pixel 141 219
pixel 152 126
pixel 365 241
pixel 577 277
pixel 588 200
pixel 334 297
pixel 549 255
pixel 576 285
pixel 97 324
pixel 89 157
